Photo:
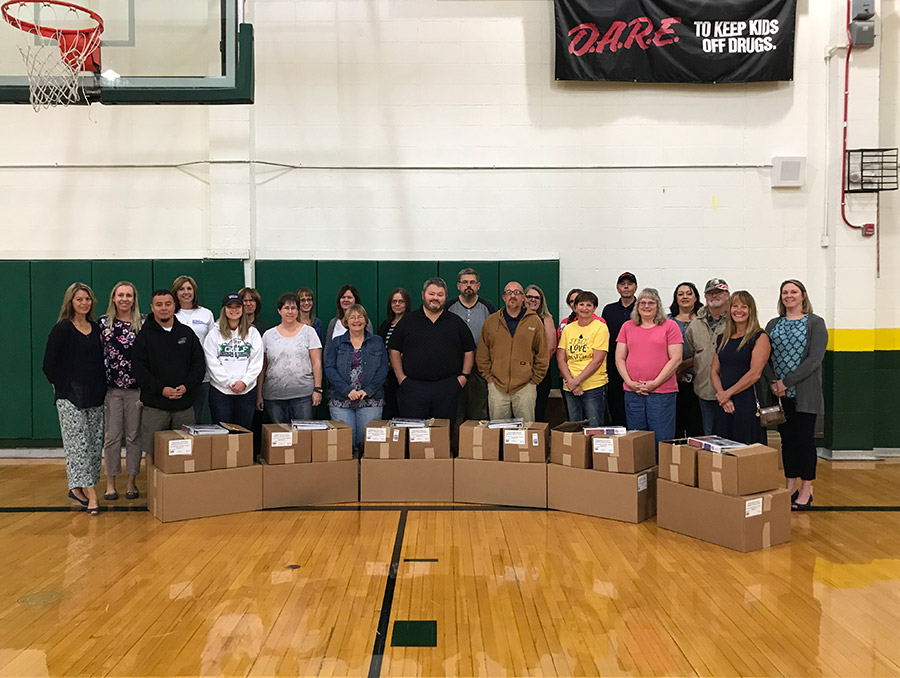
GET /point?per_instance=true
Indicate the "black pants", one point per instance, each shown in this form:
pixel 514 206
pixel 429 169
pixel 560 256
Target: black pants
pixel 543 395
pixel 798 442
pixel 687 412
pixel 391 408
pixel 425 399
pixel 615 397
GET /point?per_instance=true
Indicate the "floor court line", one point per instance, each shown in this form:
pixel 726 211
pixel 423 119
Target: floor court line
pixel 388 601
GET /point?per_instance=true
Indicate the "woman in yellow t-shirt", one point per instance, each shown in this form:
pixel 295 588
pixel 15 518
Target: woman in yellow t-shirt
pixel 581 356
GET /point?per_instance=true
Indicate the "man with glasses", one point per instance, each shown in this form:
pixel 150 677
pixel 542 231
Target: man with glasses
pixel 512 355
pixel 474 310
pixel 702 336
pixel 432 354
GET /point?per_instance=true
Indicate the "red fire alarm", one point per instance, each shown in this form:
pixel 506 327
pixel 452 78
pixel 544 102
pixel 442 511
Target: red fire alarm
pixel 868 229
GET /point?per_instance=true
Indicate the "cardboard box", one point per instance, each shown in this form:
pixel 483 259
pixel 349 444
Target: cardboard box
pixel 384 441
pixel 630 497
pixel 478 481
pixel 569 446
pixel 232 450
pixel 477 441
pixel 630 453
pixel 182 496
pixel 406 480
pixel 309 484
pixel 743 470
pixel 334 443
pixel 180 452
pixel 678 462
pixel 283 445
pixel 744 523
pixel 527 444
pixel 774 441
pixel 431 441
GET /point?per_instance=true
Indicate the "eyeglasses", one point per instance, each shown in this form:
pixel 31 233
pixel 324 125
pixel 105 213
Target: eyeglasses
pixel 513 293
pixel 532 297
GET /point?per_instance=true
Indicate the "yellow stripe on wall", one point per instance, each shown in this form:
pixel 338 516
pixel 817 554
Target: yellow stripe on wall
pixel 882 339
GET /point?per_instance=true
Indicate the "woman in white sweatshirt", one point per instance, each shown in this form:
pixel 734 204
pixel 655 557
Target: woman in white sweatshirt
pixel 200 319
pixel 234 359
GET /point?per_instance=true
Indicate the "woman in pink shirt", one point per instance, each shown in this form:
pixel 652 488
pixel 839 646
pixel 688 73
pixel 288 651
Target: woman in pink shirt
pixel 647 354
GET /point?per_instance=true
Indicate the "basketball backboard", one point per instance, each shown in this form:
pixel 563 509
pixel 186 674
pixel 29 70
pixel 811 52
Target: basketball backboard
pixel 151 52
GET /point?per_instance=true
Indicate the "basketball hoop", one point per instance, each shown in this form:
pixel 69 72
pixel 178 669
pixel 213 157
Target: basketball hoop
pixel 52 70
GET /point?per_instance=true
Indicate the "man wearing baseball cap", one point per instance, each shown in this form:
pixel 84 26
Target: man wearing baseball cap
pixel 615 315
pixel 701 337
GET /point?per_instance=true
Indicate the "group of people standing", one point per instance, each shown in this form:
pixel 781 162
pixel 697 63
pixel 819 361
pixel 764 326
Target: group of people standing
pixel 696 370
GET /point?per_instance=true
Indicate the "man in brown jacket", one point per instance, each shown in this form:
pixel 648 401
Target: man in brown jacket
pixel 512 356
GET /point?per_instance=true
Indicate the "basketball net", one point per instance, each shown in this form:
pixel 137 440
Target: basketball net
pixel 55 59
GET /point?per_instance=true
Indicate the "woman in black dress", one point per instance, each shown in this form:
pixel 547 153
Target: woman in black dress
pixel 737 366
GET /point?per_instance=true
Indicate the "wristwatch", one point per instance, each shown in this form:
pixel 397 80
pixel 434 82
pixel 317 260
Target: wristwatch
pixel 463 374
pixel 318 389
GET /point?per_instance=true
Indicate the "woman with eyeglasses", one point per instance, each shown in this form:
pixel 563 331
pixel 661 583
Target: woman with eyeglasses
pixel 399 304
pixel 648 351
pixel 252 304
pixel 347 296
pixel 799 339
pixel 535 301
pixel 306 312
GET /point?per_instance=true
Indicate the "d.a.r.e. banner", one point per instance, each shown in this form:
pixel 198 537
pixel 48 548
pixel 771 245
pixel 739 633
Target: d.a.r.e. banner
pixel 675 40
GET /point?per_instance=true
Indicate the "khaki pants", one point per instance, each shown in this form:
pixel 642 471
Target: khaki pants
pixel 519 403
pixel 153 420
pixel 123 415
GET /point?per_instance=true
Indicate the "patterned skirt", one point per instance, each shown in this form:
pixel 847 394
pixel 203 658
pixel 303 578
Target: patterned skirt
pixel 82 436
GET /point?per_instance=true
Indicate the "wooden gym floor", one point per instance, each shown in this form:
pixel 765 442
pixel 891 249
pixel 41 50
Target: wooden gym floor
pixel 389 590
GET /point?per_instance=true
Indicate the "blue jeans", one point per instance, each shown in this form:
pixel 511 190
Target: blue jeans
pixel 357 419
pixel 654 412
pixel 232 409
pixel 708 410
pixel 282 411
pixel 590 406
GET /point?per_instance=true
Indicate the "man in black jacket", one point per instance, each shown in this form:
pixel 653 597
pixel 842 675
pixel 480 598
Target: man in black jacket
pixel 168 364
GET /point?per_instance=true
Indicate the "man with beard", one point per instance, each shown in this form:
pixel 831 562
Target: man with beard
pixel 474 310
pixel 432 354
pixel 702 336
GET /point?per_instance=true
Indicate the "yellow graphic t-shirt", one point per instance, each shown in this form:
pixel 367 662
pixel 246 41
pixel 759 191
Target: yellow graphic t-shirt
pixel 580 344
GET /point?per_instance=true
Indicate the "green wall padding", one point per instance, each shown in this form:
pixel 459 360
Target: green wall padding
pixel 488 273
pixel 107 272
pixel 274 278
pixel 332 275
pixel 49 280
pixel 166 270
pixel 15 400
pixel 215 277
pixel 408 274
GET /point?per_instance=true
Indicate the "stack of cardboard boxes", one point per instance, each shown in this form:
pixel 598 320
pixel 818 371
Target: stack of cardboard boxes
pixel 603 472
pixel 503 466
pixel 723 494
pixel 195 476
pixel 303 467
pixel 407 463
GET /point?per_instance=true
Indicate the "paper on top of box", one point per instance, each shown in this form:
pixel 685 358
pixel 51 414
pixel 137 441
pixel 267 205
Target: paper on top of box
pixel 203 429
pixel 401 422
pixel 517 422
pixel 605 430
pixel 309 425
pixel 714 443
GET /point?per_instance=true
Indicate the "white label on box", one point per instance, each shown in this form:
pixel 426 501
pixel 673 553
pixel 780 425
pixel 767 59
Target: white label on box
pixel 513 436
pixel 420 435
pixel 180 446
pixel 283 439
pixel 753 507
pixel 396 435
pixel 535 440
pixel 376 435
pixel 642 482
pixel 604 446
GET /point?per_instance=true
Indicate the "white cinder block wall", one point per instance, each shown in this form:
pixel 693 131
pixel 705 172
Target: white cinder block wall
pixel 418 129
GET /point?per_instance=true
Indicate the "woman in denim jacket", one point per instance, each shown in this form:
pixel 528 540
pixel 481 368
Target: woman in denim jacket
pixel 356 364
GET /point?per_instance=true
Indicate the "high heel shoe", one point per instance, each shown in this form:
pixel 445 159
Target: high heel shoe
pixel 72 495
pixel 795 495
pixel 796 506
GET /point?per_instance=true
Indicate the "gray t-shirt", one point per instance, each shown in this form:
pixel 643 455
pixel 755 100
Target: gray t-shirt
pixel 289 373
pixel 473 317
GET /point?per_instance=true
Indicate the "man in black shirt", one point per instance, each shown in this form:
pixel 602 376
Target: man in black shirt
pixel 168 364
pixel 432 353
pixel 617 314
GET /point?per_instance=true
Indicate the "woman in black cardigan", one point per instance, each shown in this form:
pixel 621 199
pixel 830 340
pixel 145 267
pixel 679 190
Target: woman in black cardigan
pixel 73 363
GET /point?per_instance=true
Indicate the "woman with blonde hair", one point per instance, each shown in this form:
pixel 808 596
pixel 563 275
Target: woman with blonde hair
pixel 537 302
pixel 73 363
pixel 737 366
pixel 648 351
pixel 122 408
pixel 234 359
pixel 200 319
pixel 799 339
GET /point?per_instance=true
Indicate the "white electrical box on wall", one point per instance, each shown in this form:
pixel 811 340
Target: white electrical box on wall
pixel 788 172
